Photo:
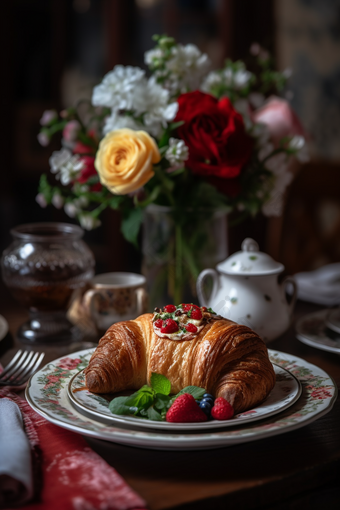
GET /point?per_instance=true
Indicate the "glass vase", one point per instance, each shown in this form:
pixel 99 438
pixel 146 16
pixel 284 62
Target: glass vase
pixel 178 243
pixel 43 266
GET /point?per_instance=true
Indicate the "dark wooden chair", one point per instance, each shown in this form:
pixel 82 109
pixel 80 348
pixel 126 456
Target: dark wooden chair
pixel 307 236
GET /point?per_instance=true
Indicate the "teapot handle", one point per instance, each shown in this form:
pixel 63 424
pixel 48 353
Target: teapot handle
pixel 291 303
pixel 199 285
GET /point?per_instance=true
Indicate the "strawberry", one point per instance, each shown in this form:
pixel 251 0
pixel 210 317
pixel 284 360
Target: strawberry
pixel 186 307
pixel 196 314
pixel 170 308
pixel 158 323
pixel 191 328
pixel 169 326
pixel 185 410
pixel 222 410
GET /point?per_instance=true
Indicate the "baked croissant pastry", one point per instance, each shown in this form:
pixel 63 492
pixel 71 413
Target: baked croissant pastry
pixel 227 359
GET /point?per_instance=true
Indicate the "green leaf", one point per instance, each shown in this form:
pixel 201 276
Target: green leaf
pixel 153 414
pixel 140 399
pixel 161 402
pixel 118 406
pixel 160 383
pixel 131 223
pixel 115 201
pixel 195 391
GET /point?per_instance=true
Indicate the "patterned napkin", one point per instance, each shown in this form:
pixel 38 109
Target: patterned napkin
pixel 67 474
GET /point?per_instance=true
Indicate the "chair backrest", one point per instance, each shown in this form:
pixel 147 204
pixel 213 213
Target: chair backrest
pixel 308 234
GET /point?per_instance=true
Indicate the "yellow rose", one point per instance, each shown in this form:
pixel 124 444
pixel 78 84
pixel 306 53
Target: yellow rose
pixel 124 160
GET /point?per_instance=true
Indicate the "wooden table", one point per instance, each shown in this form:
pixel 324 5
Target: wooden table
pixel 298 469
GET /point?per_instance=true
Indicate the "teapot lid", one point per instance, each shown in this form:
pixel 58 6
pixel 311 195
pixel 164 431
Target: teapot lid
pixel 250 261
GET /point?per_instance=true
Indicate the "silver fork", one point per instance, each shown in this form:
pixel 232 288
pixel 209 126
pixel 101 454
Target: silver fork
pixel 20 368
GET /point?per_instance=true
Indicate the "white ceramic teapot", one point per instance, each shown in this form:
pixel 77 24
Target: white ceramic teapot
pixel 246 290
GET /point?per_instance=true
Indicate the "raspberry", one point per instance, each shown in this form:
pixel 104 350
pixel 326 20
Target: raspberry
pixel 158 323
pixel 222 410
pixel 170 308
pixel 196 314
pixel 169 326
pixel 185 410
pixel 204 308
pixel 191 328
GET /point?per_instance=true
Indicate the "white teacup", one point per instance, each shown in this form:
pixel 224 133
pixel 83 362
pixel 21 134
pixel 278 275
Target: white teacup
pixel 115 297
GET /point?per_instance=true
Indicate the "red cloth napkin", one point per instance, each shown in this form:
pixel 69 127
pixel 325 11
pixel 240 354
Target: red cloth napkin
pixel 68 474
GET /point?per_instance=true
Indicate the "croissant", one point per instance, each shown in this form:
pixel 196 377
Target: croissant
pixel 227 359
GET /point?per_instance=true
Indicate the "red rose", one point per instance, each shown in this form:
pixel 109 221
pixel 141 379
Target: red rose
pixel 215 135
pixel 87 172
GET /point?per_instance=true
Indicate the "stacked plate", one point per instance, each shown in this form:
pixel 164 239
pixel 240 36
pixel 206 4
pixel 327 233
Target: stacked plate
pixel 320 330
pixel 302 394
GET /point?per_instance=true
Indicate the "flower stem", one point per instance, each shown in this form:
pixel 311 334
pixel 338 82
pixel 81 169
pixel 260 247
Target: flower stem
pixel 178 290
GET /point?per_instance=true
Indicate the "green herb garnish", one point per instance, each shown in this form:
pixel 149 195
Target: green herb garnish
pixel 152 402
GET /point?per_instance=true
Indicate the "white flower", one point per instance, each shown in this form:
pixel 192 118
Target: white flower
pixel 241 79
pixel 48 116
pixel 116 121
pixel 298 143
pixel 71 210
pixel 152 55
pixel 177 152
pixel 66 165
pixel 41 200
pixel 57 200
pixel 187 67
pixel 211 81
pixel 88 222
pixel 152 100
pixel 117 89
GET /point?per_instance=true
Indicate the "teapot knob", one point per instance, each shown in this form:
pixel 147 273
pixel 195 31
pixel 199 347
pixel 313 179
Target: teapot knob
pixel 249 245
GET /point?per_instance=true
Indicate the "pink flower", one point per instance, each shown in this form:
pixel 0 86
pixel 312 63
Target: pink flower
pixel 48 116
pixel 53 378
pixel 279 118
pixel 69 363
pixel 43 139
pixel 321 393
pixel 70 131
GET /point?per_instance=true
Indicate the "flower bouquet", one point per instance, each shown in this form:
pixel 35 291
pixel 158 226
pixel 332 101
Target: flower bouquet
pixel 184 146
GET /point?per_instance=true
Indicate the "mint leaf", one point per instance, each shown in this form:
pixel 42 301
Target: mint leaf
pixel 141 400
pixel 161 402
pixel 211 311
pixel 146 389
pixel 118 406
pixel 160 383
pixel 195 391
pixel 153 414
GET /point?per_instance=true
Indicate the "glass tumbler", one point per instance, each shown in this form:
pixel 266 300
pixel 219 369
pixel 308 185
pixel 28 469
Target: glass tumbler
pixel 43 266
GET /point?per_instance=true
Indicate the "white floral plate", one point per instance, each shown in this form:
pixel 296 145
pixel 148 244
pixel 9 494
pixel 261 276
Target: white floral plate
pixel 287 390
pixel 46 392
pixel 311 330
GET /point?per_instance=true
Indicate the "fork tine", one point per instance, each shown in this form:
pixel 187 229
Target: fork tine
pixel 16 371
pixel 17 365
pixel 33 369
pixel 29 366
pixel 10 364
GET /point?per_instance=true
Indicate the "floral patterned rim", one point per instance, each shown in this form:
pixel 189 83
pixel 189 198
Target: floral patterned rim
pixel 46 392
pixel 311 330
pixel 286 392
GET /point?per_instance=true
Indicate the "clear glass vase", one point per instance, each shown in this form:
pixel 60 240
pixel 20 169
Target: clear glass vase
pixel 178 243
pixel 43 266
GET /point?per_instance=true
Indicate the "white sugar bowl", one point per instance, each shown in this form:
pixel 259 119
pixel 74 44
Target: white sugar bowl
pixel 246 289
